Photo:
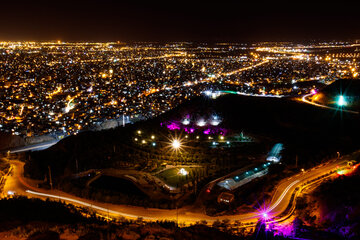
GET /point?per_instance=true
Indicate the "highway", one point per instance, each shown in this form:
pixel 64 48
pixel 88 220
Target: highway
pixel 187 215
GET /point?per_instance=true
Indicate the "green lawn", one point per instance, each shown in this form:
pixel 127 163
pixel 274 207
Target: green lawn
pixel 174 179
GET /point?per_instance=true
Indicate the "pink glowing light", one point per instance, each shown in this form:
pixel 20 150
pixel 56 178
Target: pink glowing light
pixel 207 131
pixel 313 91
pixel 189 130
pixel 173 126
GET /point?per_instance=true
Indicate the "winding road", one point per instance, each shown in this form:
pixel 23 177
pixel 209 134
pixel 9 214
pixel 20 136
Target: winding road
pixel 281 199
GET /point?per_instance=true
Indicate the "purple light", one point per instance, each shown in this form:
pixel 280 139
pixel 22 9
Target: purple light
pixel 207 131
pixel 173 126
pixel 286 230
pixel 189 130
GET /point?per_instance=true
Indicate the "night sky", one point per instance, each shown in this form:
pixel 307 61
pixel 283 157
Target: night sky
pixel 236 21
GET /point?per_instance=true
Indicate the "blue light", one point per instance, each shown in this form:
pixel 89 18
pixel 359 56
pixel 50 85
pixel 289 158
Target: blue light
pixel 256 169
pixel 154 144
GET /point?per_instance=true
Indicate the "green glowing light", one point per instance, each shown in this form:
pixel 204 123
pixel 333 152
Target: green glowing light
pixel 341 101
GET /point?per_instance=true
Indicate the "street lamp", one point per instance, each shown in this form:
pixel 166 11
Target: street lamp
pixel 176 144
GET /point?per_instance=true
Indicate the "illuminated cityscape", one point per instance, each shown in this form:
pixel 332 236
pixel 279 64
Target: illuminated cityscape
pixel 190 120
pixel 63 88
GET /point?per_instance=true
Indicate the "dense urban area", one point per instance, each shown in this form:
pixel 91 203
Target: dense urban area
pixel 63 88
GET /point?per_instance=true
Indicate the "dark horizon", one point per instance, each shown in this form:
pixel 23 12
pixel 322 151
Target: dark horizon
pixel 227 21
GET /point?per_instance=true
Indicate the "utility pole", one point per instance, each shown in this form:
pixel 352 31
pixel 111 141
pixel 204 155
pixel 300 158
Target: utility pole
pixel 177 214
pixel 50 179
pixel 296 159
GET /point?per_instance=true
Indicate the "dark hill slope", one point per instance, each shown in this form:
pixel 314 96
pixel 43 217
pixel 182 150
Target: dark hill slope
pixel 348 88
pixel 307 131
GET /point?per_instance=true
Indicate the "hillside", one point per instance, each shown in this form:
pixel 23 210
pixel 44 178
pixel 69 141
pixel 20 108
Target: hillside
pixel 303 128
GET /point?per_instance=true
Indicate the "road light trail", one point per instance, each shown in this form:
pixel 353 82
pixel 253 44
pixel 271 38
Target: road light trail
pixel 282 195
pixel 36 147
pixel 286 188
pixel 324 106
pixel 244 68
pixel 85 204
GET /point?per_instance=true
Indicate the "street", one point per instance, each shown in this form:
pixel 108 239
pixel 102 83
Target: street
pixel 16 183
